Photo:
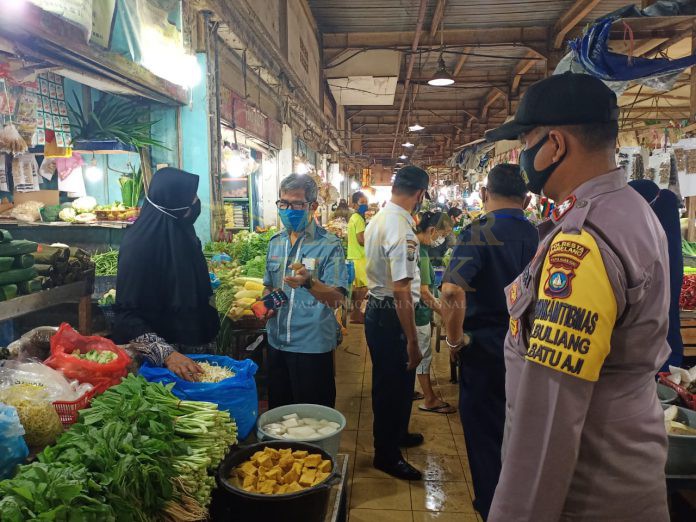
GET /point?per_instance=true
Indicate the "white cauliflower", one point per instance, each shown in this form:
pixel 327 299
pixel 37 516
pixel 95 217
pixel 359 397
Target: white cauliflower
pixel 67 214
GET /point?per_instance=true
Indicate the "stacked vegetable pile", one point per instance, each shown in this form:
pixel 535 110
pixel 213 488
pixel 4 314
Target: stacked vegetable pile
pixel 59 265
pixel 235 296
pixel 247 250
pixel 139 453
pixel 106 263
pixel 17 272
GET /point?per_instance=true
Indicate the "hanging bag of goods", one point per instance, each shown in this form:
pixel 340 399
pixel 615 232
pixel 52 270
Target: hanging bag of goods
pixel 93 360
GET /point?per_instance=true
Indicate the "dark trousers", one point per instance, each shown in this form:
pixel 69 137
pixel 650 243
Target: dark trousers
pixel 392 383
pixel 482 412
pixel 300 378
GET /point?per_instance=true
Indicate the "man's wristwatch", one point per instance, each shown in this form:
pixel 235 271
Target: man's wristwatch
pixel 309 283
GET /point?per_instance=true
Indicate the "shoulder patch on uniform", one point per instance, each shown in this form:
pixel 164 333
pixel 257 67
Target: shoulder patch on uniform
pixel 562 209
pixel 515 328
pixel 514 292
pixel 411 248
pixel 564 258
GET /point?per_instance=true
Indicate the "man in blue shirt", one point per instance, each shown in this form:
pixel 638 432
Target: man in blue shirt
pixel 303 332
pixel 490 253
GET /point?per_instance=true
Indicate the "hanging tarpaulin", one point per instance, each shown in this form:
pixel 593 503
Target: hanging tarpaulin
pixel 593 53
pixel 77 12
pixel 150 32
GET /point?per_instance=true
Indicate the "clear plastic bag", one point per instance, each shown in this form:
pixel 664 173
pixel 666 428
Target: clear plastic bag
pixel 13 449
pixel 54 383
pixel 39 418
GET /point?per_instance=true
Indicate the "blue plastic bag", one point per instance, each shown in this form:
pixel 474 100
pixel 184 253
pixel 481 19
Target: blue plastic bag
pixel 236 394
pixel 13 449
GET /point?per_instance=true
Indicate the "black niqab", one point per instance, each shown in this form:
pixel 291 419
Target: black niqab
pixel 163 285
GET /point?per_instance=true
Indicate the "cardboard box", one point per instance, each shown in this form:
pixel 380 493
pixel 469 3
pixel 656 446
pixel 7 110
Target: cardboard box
pixel 47 197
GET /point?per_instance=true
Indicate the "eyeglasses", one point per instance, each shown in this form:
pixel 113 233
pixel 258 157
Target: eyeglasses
pixel 295 205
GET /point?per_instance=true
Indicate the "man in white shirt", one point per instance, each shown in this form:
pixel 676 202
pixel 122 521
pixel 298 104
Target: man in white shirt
pixel 393 280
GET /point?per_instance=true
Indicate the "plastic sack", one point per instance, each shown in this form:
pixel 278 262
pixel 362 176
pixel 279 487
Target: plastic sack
pixel 236 394
pixel 39 418
pixel 13 449
pixel 35 344
pixel 57 387
pixel 100 375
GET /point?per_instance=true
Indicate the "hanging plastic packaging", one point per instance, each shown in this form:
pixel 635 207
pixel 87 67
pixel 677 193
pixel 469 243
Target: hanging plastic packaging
pixel 236 394
pixel 100 375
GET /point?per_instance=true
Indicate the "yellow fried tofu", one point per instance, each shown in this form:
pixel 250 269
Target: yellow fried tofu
pixel 293 487
pixel 320 477
pixel 267 487
pixel 297 468
pixel 256 456
pixel 250 489
pixel 300 454
pixel 274 473
pixel 307 478
pixel 312 461
pixel 247 468
pixel 286 462
pixel 272 452
pixel 324 466
pixel 285 451
pixel 281 490
pixel 250 481
pixel 265 461
pixel 290 477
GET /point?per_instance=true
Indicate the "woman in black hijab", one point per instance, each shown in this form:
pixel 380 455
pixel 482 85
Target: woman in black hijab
pixel 163 292
pixel 665 205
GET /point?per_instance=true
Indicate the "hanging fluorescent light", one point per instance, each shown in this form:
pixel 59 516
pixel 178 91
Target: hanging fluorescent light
pixel 416 127
pixel 403 156
pixel 408 144
pixel 442 77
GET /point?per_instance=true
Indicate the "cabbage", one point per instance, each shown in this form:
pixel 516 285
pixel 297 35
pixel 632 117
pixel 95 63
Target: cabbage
pixel 67 214
pixel 84 204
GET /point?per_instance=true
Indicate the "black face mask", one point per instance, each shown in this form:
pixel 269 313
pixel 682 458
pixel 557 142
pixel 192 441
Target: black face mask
pixel 536 179
pixel 192 215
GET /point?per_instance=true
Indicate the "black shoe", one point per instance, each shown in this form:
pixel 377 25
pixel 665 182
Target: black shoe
pixel 411 440
pixel 398 468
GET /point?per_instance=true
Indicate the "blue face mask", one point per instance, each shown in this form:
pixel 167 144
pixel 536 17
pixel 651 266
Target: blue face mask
pixel 293 220
pixel 362 209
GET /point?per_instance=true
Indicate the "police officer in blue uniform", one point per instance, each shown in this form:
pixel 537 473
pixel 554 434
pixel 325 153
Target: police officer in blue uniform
pixel 490 253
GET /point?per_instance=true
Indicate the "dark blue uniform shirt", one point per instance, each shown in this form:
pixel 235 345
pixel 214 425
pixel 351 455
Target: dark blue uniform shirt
pixel 490 253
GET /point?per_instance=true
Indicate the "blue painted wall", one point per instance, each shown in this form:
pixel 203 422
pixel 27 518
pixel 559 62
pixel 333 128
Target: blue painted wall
pixel 196 147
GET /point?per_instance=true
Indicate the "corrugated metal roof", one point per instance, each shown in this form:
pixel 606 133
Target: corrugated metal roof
pixel 401 15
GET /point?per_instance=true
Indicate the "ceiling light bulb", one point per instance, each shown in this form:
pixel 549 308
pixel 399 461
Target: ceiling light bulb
pixel 416 127
pixel 407 144
pixel 442 77
pixel 403 156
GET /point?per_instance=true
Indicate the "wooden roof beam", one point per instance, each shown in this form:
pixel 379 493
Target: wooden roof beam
pixel 489 100
pixel 454 37
pixel 437 17
pixel 572 17
pixel 522 68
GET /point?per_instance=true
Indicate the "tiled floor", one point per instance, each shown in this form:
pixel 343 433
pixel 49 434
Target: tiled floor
pixel 445 493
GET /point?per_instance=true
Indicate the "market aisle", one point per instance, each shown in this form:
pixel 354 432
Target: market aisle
pixel 445 493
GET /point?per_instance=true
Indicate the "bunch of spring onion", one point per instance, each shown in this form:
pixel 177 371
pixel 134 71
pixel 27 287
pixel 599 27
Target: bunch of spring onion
pixel 203 433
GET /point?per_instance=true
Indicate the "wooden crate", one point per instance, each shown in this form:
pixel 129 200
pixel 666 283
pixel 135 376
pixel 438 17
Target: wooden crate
pixel 688 333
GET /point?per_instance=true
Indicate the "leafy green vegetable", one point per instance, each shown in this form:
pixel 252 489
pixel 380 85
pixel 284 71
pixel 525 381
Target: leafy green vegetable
pixel 244 246
pixel 255 267
pixel 106 263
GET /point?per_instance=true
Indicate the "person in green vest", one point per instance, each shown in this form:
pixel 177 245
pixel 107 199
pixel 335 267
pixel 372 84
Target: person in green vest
pixel 356 253
pixel 431 225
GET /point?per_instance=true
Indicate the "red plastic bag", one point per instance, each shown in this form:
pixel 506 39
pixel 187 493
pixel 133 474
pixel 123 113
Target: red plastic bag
pixel 100 375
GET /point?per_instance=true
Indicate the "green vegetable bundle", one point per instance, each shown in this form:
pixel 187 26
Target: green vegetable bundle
pixel 244 246
pixel 106 263
pixel 138 454
pixel 255 267
pixel 688 249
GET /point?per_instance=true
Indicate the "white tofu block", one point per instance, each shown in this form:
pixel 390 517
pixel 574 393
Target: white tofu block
pixel 334 425
pixel 273 426
pixel 301 432
pixel 291 423
pixel 286 436
pixel 291 416
pixel 300 422
pixel 323 422
pixel 312 423
pixel 326 430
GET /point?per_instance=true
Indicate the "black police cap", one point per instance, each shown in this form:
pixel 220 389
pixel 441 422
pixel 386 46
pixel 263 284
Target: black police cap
pixel 563 99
